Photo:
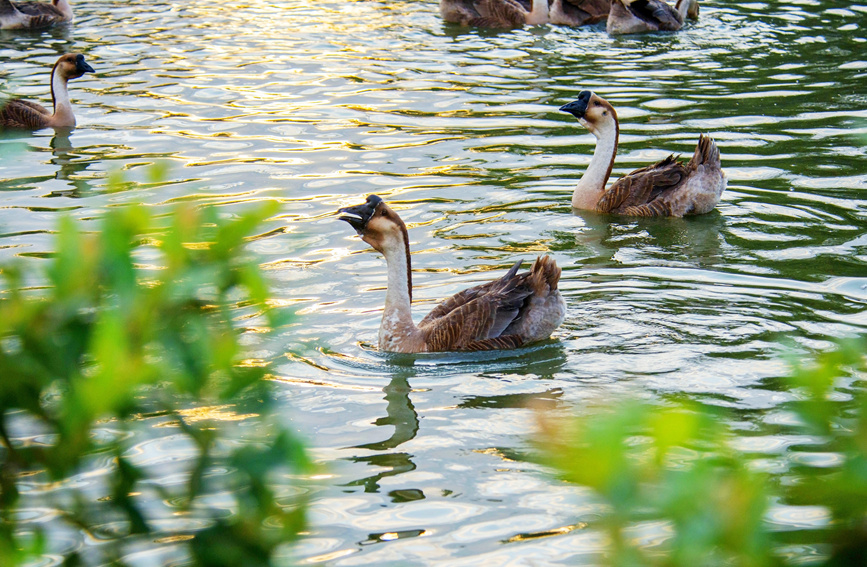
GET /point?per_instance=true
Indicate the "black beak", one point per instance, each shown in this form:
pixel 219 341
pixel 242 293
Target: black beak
pixel 577 108
pixel 82 66
pixel 359 215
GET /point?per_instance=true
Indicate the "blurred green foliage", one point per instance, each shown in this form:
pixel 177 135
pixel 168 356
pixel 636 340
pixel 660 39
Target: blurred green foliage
pixel 139 318
pixel 675 466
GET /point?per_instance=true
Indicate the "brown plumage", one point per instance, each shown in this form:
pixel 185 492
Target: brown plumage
pixel 26 115
pixel 666 188
pixel 511 311
pixel 638 16
pixel 34 15
pixel 577 12
pixel 494 13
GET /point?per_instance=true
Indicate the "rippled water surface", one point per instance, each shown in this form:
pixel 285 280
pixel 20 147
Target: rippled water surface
pixel 319 104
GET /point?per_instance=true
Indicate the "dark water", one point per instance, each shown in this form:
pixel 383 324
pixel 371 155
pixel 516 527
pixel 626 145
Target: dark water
pixel 318 104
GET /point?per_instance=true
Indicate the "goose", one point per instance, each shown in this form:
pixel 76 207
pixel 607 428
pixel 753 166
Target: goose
pixel 22 114
pixel 667 188
pixel 33 15
pixel 577 12
pixel 506 313
pixel 494 13
pixel 637 16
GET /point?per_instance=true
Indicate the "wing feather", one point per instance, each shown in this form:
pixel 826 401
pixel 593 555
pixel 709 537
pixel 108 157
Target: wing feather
pixel 643 187
pixel 476 315
pixel 23 114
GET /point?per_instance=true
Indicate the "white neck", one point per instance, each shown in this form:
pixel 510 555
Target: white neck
pixel 397 327
pixel 592 184
pixel 64 7
pixel 63 116
pixel 684 7
pixel 539 13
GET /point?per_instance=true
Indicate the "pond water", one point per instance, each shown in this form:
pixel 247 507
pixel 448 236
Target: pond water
pixel 318 104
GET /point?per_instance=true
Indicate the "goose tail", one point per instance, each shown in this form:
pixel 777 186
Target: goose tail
pixel 706 153
pixel 544 276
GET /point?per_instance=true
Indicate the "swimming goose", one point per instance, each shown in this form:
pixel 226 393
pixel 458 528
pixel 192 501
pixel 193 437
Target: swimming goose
pixel 637 16
pixel 506 313
pixel 667 188
pixel 26 115
pixel 33 15
pixel 494 13
pixel 577 12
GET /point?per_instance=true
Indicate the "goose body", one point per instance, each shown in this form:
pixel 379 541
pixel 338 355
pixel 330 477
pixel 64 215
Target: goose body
pixel 511 311
pixel 577 12
pixel 666 188
pixel 33 15
pixel 638 16
pixel 494 13
pixel 25 115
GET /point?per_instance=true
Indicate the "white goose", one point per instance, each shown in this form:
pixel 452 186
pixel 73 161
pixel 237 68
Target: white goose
pixel 666 188
pixel 506 313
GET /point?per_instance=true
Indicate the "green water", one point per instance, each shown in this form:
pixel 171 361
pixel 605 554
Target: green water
pixel 319 104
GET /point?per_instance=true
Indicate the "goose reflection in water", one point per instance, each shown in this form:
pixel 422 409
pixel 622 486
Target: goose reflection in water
pixel 402 415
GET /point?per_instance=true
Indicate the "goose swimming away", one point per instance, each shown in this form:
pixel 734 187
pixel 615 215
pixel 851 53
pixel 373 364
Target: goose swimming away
pixel 33 15
pixel 667 188
pixel 25 115
pixel 637 16
pixel 494 13
pixel 506 313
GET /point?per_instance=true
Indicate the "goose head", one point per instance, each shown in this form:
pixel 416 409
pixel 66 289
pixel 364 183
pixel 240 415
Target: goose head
pixel 378 225
pixel 72 66
pixel 593 112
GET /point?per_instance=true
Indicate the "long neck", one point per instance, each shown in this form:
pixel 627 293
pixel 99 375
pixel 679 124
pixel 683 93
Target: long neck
pixel 397 330
pixel 592 184
pixel 687 8
pixel 64 7
pixel 63 116
pixel 539 13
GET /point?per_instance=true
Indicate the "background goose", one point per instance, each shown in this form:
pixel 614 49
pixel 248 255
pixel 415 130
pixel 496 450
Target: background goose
pixel 26 115
pixel 637 16
pixel 666 188
pixel 494 13
pixel 33 15
pixel 506 313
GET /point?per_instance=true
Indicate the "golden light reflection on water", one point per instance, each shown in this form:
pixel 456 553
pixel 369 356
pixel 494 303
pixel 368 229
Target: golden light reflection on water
pixel 222 413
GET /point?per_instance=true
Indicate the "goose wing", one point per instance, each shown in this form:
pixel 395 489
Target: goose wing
pixel 476 318
pixel 35 14
pixel 500 13
pixel 639 193
pixel 23 114
pixel 586 11
pixel 38 9
pixel 656 13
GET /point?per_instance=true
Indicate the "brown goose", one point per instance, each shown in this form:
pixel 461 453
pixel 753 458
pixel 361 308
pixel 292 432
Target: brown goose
pixel 25 115
pixel 494 13
pixel 33 15
pixel 637 16
pixel 506 313
pixel 577 12
pixel 667 188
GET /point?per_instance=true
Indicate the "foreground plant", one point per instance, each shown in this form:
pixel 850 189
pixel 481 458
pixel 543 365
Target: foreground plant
pixel 675 464
pixel 137 323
